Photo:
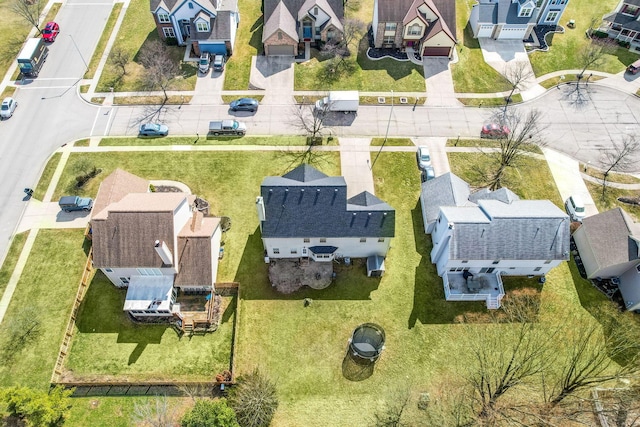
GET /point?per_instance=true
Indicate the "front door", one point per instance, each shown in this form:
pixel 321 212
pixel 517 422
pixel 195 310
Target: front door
pixel 306 30
pixel 185 28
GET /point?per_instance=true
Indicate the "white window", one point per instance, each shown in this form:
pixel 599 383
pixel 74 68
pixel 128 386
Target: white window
pixel 149 272
pixel 315 10
pixel 414 30
pixel 548 261
pixel 630 10
pixel 163 18
pixel 551 16
pixel 496 262
pixel 323 240
pixel 307 240
pixel 279 35
pixel 388 39
pixel 294 251
pixel 381 240
pixel 190 5
pixel 525 11
pixel 168 32
pixel 202 27
pixel 124 280
pixel 390 26
pixel 537 269
pixel 276 251
pixel 108 270
pixel 363 239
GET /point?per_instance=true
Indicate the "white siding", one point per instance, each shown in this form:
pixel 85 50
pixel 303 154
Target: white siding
pixel 116 273
pixel 321 17
pixel 374 23
pixel 347 247
pixel 215 250
pixel 181 216
pixel 439 40
pixel 512 33
pixel 506 267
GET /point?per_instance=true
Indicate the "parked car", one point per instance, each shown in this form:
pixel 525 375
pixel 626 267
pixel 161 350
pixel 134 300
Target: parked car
pixel 575 208
pixel 494 130
pixel 427 174
pixel 50 31
pixel 218 63
pixel 204 63
pixel 153 129
pixel 8 107
pixel 423 157
pixel 227 127
pixel 634 68
pixel 75 203
pixel 244 104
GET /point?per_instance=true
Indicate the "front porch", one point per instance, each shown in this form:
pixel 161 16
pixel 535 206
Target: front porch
pixel 623 35
pixel 479 287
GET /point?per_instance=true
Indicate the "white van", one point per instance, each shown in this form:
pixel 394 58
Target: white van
pixel 575 208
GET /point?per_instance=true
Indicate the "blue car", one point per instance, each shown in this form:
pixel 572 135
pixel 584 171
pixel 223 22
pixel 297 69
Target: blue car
pixel 153 129
pixel 244 104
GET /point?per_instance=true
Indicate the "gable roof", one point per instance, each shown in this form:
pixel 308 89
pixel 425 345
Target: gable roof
pixel 172 5
pixel 279 19
pixel 307 203
pixel 444 190
pixel 326 7
pixel 194 251
pixel 502 12
pixel 406 10
pixel 114 187
pixel 502 194
pixel 281 14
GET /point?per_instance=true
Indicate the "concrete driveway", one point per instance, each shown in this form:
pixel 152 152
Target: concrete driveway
pixel 439 82
pixel 505 55
pixel 209 87
pixel 275 75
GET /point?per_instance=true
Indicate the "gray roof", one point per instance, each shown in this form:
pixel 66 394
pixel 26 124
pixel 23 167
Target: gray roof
pixel 521 230
pixel 609 236
pixel 307 203
pixel 502 12
pixel 173 5
pixel 627 22
pixel 280 19
pixel 288 12
pixel 503 194
pixel 444 190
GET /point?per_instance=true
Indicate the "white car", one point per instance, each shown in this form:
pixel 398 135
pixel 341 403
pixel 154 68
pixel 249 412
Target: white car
pixel 423 157
pixel 575 208
pixel 8 107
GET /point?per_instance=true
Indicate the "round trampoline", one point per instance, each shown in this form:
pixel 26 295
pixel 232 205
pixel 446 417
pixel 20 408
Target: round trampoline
pixel 367 341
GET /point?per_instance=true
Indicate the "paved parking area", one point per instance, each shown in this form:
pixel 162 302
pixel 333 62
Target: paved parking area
pixel 439 82
pixel 275 75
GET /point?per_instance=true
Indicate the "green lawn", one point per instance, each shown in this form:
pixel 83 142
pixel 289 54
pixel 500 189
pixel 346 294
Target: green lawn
pixel 564 48
pixel 137 28
pixel 490 102
pixel 104 38
pixel 13 31
pixel 209 140
pixel 48 287
pixel 45 178
pixel 393 142
pixel 610 200
pixel 471 73
pixel 248 43
pixel 11 259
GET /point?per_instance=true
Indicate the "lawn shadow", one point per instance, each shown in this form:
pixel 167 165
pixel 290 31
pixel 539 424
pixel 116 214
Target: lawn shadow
pixel 467 38
pixel 256 36
pixel 351 282
pixel 429 304
pixel 230 310
pixel 355 368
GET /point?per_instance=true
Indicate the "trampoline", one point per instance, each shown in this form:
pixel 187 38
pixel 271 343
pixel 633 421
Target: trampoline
pixel 367 341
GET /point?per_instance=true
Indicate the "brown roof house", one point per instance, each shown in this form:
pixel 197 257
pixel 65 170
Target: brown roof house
pixel 426 26
pixel 152 243
pixel 287 23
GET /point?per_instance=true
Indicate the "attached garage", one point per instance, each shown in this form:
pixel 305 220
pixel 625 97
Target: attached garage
pixel 485 31
pixel 280 49
pixel 513 33
pixel 436 51
pixel 213 48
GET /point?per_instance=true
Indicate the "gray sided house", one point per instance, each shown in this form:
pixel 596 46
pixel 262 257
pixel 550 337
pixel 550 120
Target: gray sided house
pixel 152 243
pixel 624 23
pixel 479 237
pixel 306 214
pixel 513 19
pixel 609 247
pixel 290 24
pixel 206 25
pixel 426 26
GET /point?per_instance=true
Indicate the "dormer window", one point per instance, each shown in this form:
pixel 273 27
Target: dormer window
pixel 525 12
pixel 414 30
pixel 630 10
pixel 190 5
pixel 315 11
pixel 163 17
pixel 202 26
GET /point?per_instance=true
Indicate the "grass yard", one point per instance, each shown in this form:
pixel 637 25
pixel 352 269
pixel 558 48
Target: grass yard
pixel 104 38
pixel 610 199
pixel 490 102
pixel 13 32
pixel 393 142
pixel 564 48
pixel 47 288
pixel 137 28
pixel 11 259
pixel 45 178
pixel 248 43
pixel 471 73
pixel 209 140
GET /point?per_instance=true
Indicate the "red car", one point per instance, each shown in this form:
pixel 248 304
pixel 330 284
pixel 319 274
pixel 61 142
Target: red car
pixel 50 31
pixel 494 130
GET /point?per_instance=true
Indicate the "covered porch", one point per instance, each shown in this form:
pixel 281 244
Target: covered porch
pixel 461 286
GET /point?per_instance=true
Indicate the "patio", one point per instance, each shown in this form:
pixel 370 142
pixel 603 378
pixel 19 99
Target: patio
pixel 479 287
pixel 289 275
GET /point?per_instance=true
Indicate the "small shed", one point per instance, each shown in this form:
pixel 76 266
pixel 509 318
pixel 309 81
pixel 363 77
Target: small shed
pixel 375 266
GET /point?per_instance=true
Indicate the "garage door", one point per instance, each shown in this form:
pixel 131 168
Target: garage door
pixel 436 51
pixel 284 49
pixel 513 33
pixel 213 48
pixel 485 31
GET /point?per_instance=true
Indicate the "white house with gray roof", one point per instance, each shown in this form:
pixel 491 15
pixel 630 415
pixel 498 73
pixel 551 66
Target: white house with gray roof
pixel 204 25
pixel 306 214
pixel 479 237
pixel 513 19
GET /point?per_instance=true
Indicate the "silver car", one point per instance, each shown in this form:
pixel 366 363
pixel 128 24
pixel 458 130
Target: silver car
pixel 423 157
pixel 8 107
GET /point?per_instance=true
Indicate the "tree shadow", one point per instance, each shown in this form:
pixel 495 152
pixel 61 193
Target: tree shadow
pixel 230 310
pixel 256 35
pixel 355 368
pixel 467 38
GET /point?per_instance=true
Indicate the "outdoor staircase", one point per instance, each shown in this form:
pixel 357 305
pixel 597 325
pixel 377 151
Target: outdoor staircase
pixel 493 303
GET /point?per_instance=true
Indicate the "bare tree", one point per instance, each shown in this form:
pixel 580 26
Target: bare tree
pixel 523 131
pixel 619 158
pixel 310 121
pixel 120 58
pixel 516 74
pixel 160 68
pixel 338 50
pixel 29 10
pixel 590 56
pixel 390 414
pixel 154 412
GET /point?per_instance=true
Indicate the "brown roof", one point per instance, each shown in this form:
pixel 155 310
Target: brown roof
pixel 115 186
pixel 406 10
pixel 194 251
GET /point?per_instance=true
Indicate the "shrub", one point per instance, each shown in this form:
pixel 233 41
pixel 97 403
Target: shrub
pixel 254 400
pixel 210 413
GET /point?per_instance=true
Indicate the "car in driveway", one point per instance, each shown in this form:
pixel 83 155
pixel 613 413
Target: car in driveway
pixel 51 31
pixel 218 63
pixel 75 203
pixel 423 157
pixel 494 130
pixel 575 208
pixel 204 63
pixel 8 107
pixel 427 174
pixel 244 104
pixel 153 129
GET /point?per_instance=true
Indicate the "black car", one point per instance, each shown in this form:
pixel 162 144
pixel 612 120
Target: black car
pixel 244 104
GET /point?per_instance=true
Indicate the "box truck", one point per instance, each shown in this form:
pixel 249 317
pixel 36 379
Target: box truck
pixel 345 101
pixel 32 56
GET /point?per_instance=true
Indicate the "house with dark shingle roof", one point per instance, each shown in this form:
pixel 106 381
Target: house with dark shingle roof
pixel 306 214
pixel 202 25
pixel 609 247
pixel 152 244
pixel 513 19
pixel 426 26
pixel 624 23
pixel 291 23
pixel 479 237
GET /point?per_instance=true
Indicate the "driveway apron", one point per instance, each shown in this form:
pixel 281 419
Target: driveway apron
pixel 275 75
pixel 439 82
pixel 209 87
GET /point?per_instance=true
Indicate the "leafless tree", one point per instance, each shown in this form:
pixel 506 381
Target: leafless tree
pixel 619 158
pixel 352 5
pixel 154 412
pixel 523 131
pixel 338 50
pixel 390 414
pixel 29 10
pixel 516 74
pixel 160 68
pixel 590 56
pixel 310 121
pixel 120 58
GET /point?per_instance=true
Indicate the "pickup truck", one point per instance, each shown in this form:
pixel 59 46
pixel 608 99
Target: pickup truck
pixel 75 203
pixel 227 127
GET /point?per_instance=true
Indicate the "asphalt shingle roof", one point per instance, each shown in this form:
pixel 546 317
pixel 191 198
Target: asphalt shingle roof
pixel 444 190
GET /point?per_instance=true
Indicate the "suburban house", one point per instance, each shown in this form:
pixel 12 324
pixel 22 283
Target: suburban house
pixel 289 25
pixel 426 26
pixel 513 19
pixel 208 25
pixel 305 214
pixel 479 237
pixel 609 247
pixel 153 244
pixel 624 23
